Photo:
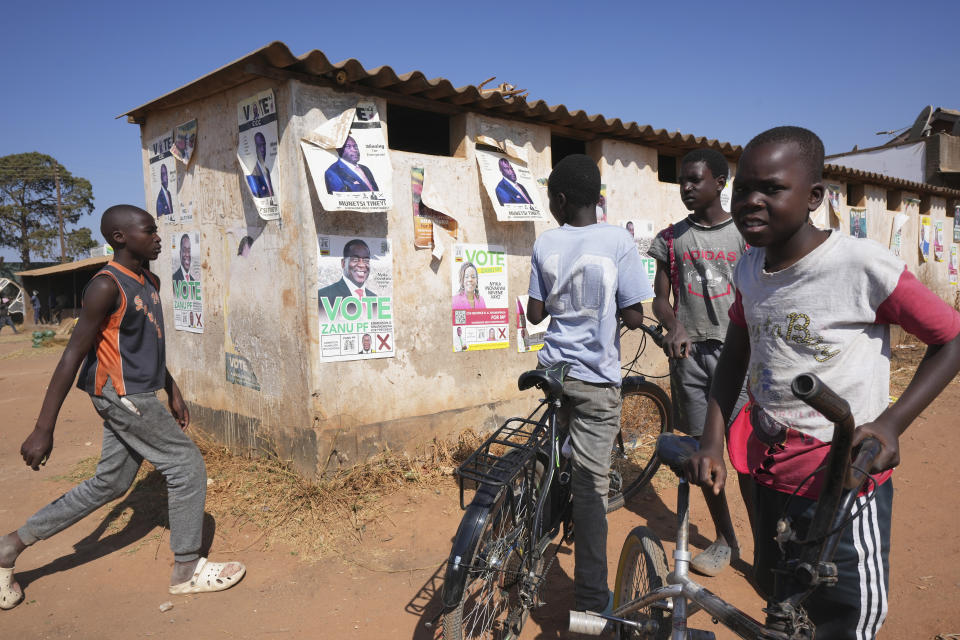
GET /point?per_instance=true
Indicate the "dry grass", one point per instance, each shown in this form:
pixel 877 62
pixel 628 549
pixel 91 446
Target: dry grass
pixel 265 498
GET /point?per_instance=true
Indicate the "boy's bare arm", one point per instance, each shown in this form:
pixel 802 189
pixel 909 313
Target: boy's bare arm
pixel 676 342
pixel 939 366
pixel 98 302
pixel 536 311
pixel 706 467
pixel 177 406
pixel 632 316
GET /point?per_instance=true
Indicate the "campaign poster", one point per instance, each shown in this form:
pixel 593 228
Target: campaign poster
pixel 187 291
pixel 938 253
pixel 529 336
pixel 726 194
pixel 163 177
pixel 956 224
pixel 954 264
pixel 511 187
pixel 858 222
pixel 354 174
pixel 896 233
pixel 479 297
pixel 424 217
pixel 924 238
pixel 257 149
pixel 602 204
pixel 643 234
pixel 355 298
pixel 184 141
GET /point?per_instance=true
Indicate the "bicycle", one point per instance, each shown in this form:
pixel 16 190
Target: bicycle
pixel 499 558
pixel 650 603
pixel 645 413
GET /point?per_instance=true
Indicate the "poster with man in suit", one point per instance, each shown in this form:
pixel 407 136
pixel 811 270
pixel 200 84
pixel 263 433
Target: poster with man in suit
pixel 187 292
pixel 257 150
pixel 163 176
pixel 512 188
pixel 348 160
pixel 355 298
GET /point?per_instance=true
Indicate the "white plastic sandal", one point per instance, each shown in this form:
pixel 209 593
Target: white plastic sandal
pixel 206 578
pixel 9 596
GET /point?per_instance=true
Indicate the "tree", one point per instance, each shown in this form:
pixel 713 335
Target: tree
pixel 28 204
pixel 77 243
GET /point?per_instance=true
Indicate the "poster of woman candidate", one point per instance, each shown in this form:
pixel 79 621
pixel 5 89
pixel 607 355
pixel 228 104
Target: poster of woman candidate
pixel 355 298
pixel 163 177
pixel 351 173
pixel 187 292
pixel 511 187
pixel 257 148
pixel 479 297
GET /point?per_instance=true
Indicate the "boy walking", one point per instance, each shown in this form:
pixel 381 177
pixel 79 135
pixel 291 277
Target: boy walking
pixel 120 331
pixel 695 262
pixel 812 300
pixel 581 275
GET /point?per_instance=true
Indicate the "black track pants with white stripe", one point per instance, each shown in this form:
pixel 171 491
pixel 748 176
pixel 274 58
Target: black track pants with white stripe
pixel 856 606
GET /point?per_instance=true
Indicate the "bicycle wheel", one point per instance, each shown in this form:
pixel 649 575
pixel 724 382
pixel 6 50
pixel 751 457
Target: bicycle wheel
pixel 496 536
pixel 642 568
pixel 645 413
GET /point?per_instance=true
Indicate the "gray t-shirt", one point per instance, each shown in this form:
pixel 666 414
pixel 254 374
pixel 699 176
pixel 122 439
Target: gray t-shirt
pixel 705 258
pixel 583 275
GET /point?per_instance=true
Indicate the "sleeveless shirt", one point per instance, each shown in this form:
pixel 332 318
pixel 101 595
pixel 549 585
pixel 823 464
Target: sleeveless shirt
pixel 129 347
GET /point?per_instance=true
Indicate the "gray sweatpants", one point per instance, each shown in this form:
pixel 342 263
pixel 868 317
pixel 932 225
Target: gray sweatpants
pixel 128 439
pixel 592 414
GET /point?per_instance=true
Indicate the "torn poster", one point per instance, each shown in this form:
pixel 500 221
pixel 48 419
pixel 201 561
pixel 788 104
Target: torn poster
pixel 479 297
pixel 184 141
pixel 896 233
pixel 163 174
pixel 187 292
pixel 349 163
pixel 938 253
pixel 425 217
pixel 355 298
pixel 529 336
pixel 257 149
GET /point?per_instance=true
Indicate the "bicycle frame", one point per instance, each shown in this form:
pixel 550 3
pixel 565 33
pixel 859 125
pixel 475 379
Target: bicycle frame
pixel 786 618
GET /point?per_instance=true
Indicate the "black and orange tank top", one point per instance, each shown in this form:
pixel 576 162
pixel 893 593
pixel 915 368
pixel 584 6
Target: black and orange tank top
pixel 129 348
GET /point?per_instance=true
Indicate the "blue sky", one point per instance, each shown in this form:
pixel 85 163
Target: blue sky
pixel 721 70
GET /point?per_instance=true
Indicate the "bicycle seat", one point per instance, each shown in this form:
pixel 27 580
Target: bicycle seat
pixel 674 450
pixel 550 380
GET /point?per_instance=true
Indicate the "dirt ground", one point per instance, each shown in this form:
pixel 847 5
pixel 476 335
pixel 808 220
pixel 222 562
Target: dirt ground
pixel 106 576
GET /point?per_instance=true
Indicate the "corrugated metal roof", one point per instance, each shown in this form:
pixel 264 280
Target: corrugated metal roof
pixel 275 60
pixel 87 263
pixel 858 175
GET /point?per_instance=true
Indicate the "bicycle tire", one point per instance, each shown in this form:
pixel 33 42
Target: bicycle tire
pixel 488 597
pixel 641 569
pixel 645 413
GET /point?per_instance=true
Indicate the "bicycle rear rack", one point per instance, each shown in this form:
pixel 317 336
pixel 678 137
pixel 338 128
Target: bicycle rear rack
pixel 502 455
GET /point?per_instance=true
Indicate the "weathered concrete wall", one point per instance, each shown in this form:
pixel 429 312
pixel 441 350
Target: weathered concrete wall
pixel 264 306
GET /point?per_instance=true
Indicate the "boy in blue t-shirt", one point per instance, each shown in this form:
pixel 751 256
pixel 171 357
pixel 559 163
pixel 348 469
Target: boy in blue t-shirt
pixel 581 275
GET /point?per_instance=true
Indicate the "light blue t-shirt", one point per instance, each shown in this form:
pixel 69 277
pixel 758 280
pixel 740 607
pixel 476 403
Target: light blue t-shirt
pixel 583 275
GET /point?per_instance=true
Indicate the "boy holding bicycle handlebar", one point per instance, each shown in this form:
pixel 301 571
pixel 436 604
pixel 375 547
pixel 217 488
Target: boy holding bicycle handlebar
pixel 695 262
pixel 813 300
pixel 581 275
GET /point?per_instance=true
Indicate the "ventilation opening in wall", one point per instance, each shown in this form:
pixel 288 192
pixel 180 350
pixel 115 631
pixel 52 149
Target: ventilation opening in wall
pixel 667 168
pixel 855 195
pixel 418 131
pixel 561 147
pixel 894 200
pixel 925 205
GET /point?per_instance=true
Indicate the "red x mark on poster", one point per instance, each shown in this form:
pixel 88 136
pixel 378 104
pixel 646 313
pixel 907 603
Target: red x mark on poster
pixel 384 345
pixel 199 321
pixel 503 333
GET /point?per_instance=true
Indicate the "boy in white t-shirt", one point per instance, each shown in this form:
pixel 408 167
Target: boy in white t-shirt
pixel 582 274
pixel 812 300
